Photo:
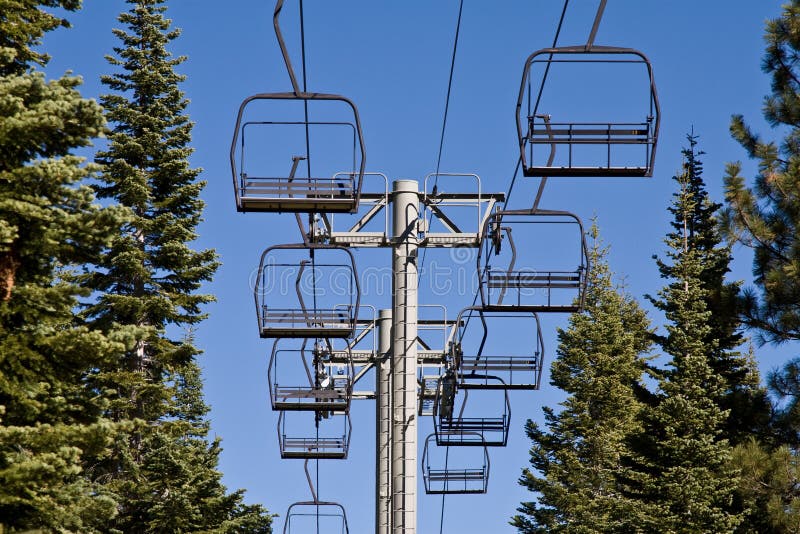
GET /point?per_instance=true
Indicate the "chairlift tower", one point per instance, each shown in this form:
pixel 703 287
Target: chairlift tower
pixel 414 378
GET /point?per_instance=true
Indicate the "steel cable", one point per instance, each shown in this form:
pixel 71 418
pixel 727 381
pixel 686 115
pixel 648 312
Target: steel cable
pixel 444 118
pixel 539 96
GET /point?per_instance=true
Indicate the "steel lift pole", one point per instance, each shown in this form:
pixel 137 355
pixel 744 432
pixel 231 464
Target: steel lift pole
pixel 383 415
pixel 405 216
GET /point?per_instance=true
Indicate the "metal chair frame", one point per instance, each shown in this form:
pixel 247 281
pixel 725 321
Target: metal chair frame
pixel 292 194
pixel 317 504
pixel 448 480
pixel 336 322
pixel 339 512
pixel 475 369
pixel 314 394
pixel 461 431
pixel 536 129
pixel 315 447
pixel 498 227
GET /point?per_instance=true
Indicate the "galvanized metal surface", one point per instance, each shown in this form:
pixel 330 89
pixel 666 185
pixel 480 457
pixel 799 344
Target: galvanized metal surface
pixel 383 415
pixel 405 214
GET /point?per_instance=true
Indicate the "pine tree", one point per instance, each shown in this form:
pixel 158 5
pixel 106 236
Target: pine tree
pixel 682 471
pixel 165 471
pixel 51 418
pixel 582 451
pixel 769 482
pixel 766 217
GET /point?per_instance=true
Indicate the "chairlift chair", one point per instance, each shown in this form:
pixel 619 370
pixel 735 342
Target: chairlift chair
pixel 550 146
pixel 320 283
pixel 558 284
pixel 477 361
pixel 428 381
pixel 454 429
pixel 450 476
pixel 315 382
pixel 315 516
pixel 325 435
pixel 289 181
pixel 275 171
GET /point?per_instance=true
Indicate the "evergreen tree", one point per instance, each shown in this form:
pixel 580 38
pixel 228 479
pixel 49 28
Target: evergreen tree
pixel 164 473
pixel 769 487
pixel 51 419
pixel 766 217
pixel 682 471
pixel 696 223
pixel 582 451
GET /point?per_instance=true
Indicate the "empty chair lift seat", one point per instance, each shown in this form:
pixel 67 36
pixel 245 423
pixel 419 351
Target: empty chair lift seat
pixel 472 431
pixel 299 398
pixel 315 516
pixel 300 194
pixel 568 136
pixel 331 448
pixel 443 474
pixel 486 364
pixel 325 441
pixel 553 143
pixel 522 372
pixel 303 379
pixel 296 164
pixel 518 240
pixel 331 323
pixel 519 281
pixel 326 296
pixel 452 428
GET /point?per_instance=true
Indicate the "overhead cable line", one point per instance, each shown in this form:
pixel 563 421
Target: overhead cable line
pixel 536 107
pixel 310 222
pixel 449 87
pixel 519 160
pixel 444 118
pixel 305 88
pixel 438 165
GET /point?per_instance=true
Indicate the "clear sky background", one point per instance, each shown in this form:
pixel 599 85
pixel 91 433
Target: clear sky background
pixel 392 59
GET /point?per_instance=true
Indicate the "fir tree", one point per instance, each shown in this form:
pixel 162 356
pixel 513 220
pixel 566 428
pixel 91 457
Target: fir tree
pixel 165 472
pixel 582 452
pixel 682 471
pixel 51 419
pixel 697 224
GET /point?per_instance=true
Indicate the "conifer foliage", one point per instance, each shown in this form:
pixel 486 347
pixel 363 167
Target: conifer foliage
pixel 164 473
pixel 683 472
pixel 51 420
pixel 621 458
pixel 696 229
pixel 766 217
pixel 582 452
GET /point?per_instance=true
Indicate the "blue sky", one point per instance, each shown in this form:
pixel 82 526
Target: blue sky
pixel 392 59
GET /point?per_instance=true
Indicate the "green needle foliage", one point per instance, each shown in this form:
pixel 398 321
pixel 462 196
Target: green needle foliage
pixel 769 481
pixel 51 415
pixel 23 24
pixel 683 472
pixel 695 222
pixel 164 473
pixel 766 217
pixel 583 450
